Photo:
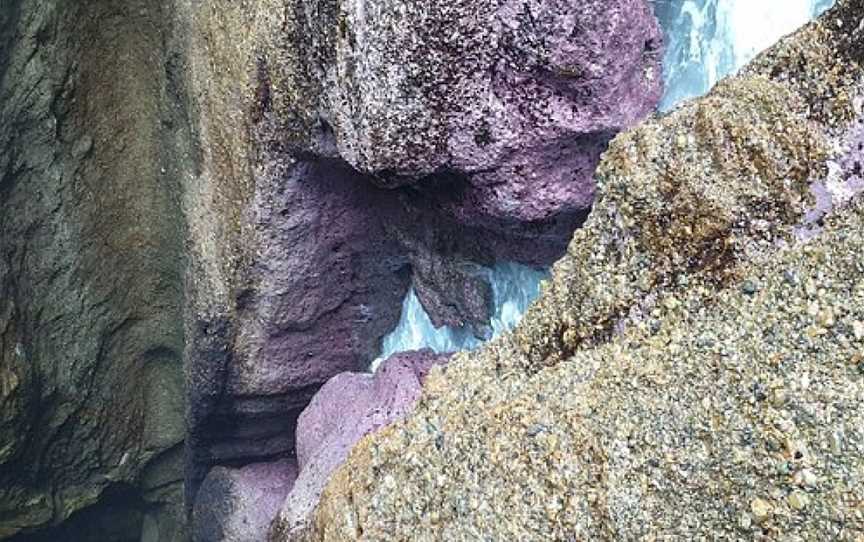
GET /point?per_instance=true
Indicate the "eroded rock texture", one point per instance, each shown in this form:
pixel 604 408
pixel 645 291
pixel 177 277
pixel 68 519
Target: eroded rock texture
pixel 692 370
pixel 521 95
pixel 93 135
pixel 238 505
pixel 252 186
pixel 321 198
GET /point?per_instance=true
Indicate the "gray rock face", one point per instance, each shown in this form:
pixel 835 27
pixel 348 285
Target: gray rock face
pixel 91 389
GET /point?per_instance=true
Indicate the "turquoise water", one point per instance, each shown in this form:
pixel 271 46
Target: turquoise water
pixel 514 287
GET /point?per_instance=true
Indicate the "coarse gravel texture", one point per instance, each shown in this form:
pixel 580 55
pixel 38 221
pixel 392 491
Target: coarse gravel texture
pixel 692 370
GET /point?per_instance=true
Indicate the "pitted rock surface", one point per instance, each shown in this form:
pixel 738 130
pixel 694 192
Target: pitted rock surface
pixel 520 96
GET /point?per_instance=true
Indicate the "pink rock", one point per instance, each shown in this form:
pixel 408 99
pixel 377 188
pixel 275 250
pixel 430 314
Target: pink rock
pixel 519 96
pixel 238 505
pixel 346 408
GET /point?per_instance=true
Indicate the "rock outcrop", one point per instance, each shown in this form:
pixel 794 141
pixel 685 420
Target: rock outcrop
pixel 238 505
pixel 216 183
pixel 93 137
pixel 692 370
pixel 348 407
pixel 502 91
pixel 303 244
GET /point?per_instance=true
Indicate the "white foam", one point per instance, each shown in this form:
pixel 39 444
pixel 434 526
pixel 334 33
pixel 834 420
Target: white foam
pixel 514 288
pixel 710 39
pixel 706 41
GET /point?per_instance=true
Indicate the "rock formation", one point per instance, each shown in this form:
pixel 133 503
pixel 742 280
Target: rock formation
pixel 93 136
pixel 694 367
pixel 348 407
pixel 218 183
pixel 238 505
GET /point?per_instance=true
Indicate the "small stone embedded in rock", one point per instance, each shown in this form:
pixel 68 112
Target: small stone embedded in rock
pixel 761 509
pixel 806 478
pixel 798 500
pixel 858 330
pixel 826 318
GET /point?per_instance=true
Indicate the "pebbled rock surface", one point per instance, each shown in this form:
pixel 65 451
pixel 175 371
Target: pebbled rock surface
pixel 93 137
pixel 692 370
pixel 349 406
pixel 237 505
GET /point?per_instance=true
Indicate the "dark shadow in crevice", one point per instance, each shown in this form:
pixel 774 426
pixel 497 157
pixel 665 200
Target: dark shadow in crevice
pixel 117 516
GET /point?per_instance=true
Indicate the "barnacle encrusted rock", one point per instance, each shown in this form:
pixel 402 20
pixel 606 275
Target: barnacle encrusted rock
pixel 692 369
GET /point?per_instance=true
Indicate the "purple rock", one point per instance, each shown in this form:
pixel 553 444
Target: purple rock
pixel 328 283
pixel 843 184
pixel 346 408
pixel 238 505
pixel 519 96
pixel 397 145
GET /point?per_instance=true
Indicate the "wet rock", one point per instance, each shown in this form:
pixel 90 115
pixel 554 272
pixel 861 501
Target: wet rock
pixel 689 223
pixel 328 283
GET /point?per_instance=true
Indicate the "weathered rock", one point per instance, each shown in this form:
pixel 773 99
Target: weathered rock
pixel 648 393
pixel 327 284
pixel 93 139
pixel 348 407
pixel 237 505
pixel 300 260
pixel 128 128
pixel 518 96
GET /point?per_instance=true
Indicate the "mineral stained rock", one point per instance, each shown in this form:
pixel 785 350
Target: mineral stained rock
pixel 215 182
pixel 692 370
pixel 93 138
pixel 519 96
pixel 348 407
